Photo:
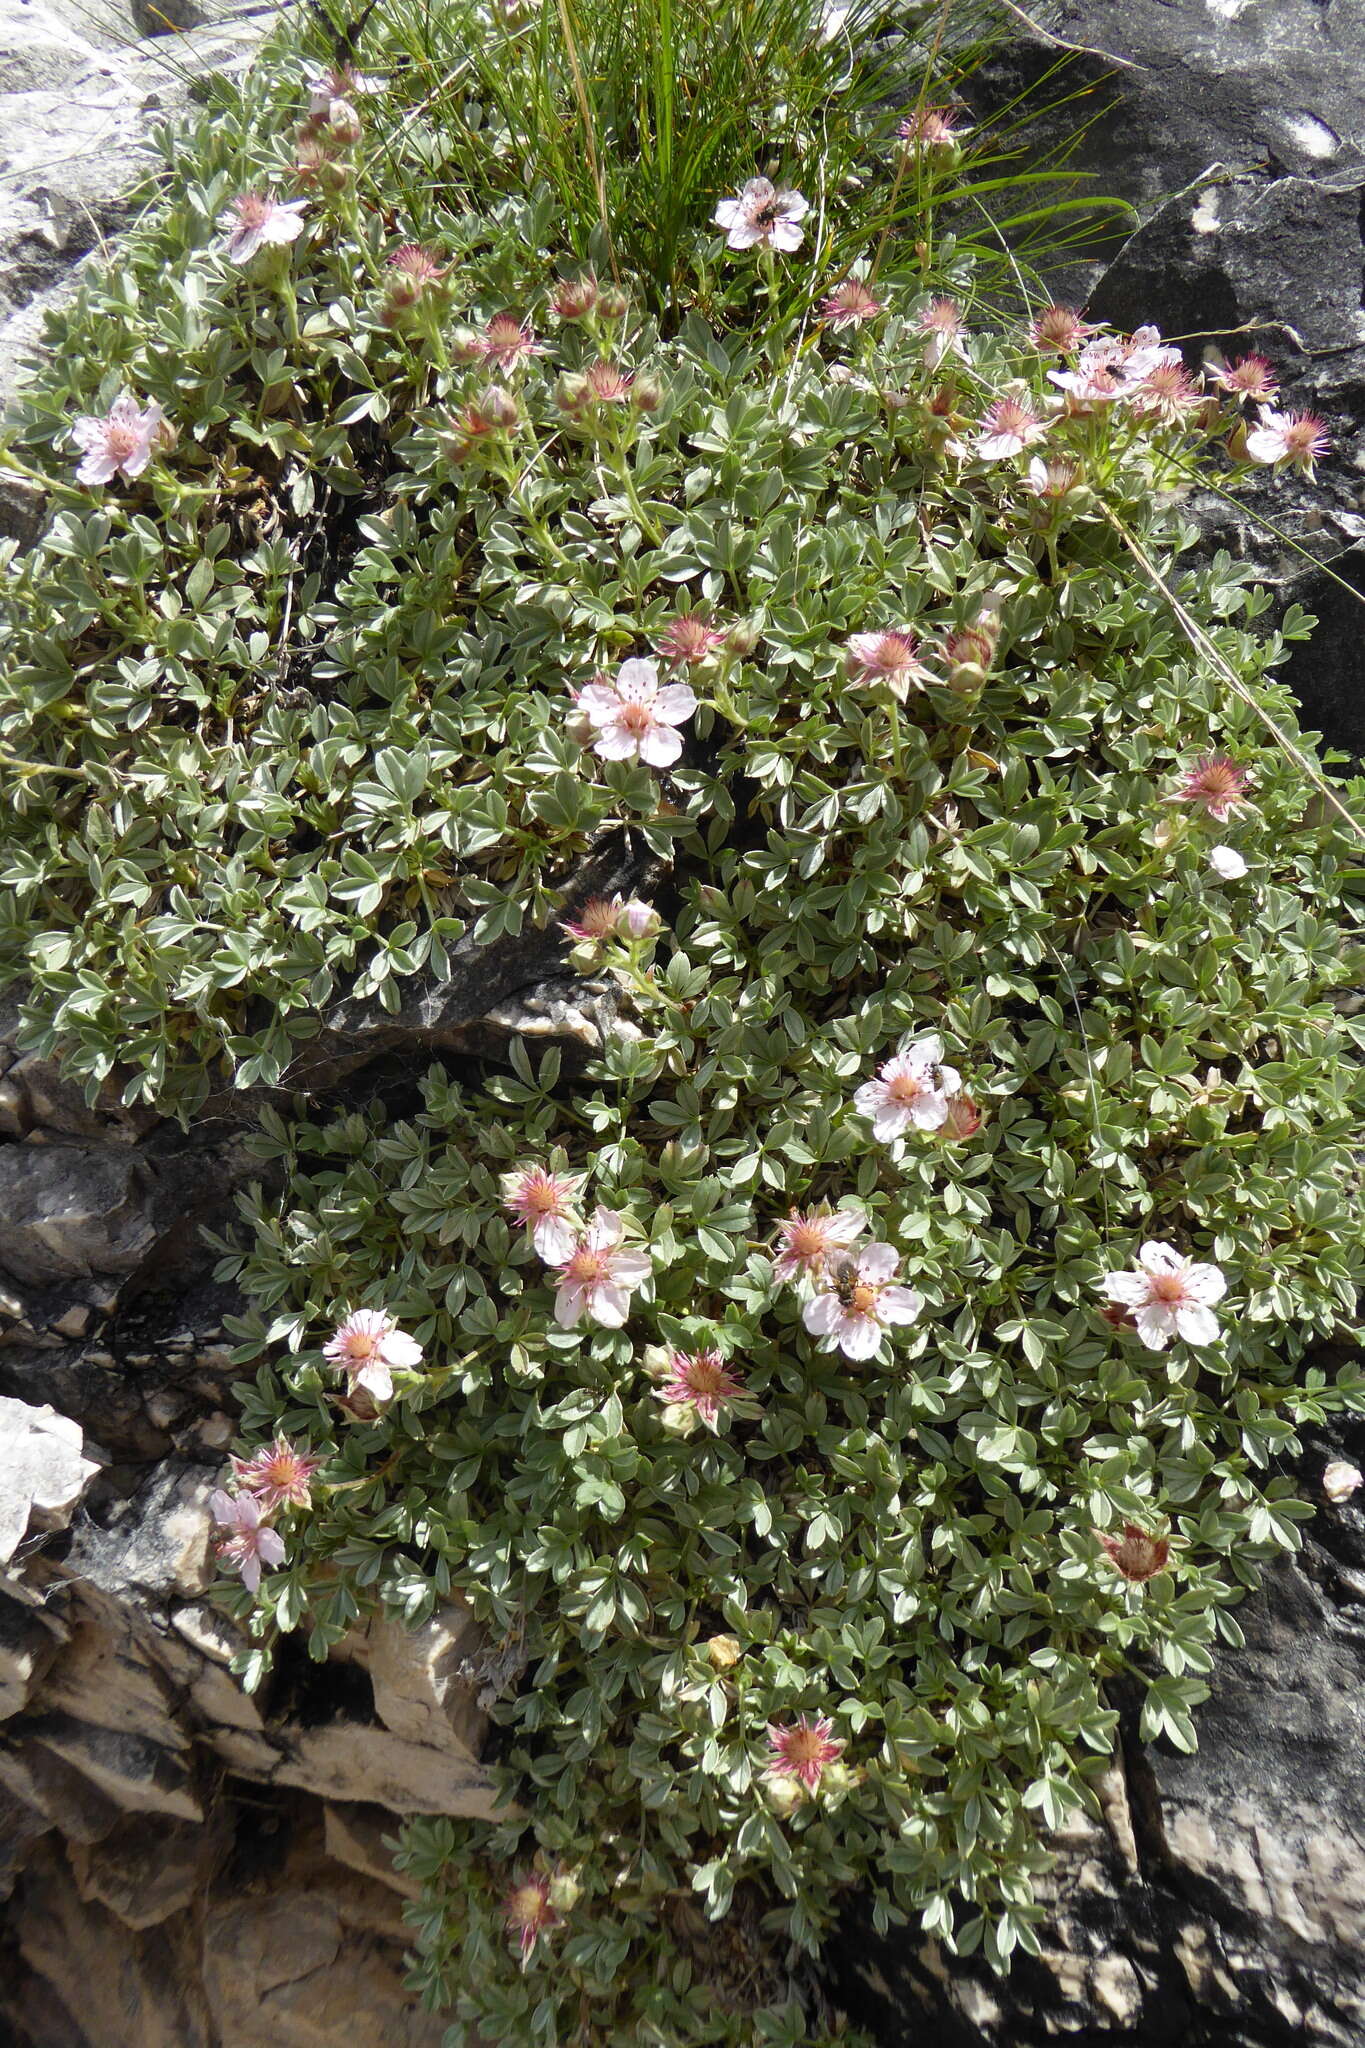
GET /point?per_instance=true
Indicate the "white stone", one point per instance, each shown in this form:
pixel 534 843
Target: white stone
pixel 43 1471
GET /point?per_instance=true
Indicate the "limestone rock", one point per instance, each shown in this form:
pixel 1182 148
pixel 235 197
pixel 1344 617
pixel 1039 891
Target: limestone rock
pixel 43 1471
pixel 160 1541
pixel 419 1692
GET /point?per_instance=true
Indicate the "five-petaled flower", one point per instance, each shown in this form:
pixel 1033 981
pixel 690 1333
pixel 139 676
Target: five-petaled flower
pixel 257 220
pixel 1294 438
pixel 1168 1295
pixel 1215 785
pixel 1136 1554
pixel 635 717
pixel 278 1475
pixel 859 1300
pixel 702 1382
pixel 245 1540
pixel 911 1091
pixel 1009 428
pixel 890 657
pixel 803 1751
pixel 121 443
pixel 850 304
pixel 1250 377
pixel 761 213
pixel 689 640
pixel 1058 331
pixel 366 1346
pixel 809 1238
pixel 547 1204
pixel 597 1276
pixel 529 1912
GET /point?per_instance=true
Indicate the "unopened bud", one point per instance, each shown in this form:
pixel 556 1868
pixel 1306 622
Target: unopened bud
pixel 334 177
pixel 498 406
pixel 574 297
pixel 964 1120
pixel 571 391
pixel 743 637
pixel 1340 1479
pixel 565 1890
pixel 612 302
pixel 344 124
pixel 724 1652
pixel 784 1795
pixel 678 1418
pixel 646 393
pixel 165 437
pixel 639 920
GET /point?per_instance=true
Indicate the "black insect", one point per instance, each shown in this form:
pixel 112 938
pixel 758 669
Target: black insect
pixel 843 1271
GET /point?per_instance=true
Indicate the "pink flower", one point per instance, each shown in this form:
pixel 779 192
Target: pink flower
pixel 702 1381
pixel 246 1542
pixel 1296 438
pixel 278 1475
pixel 1057 331
pixel 121 443
pixel 1169 1296
pixel 1168 392
pixel 811 1237
pixel 573 298
pixel 912 1090
pixel 1249 377
pixel 930 130
pixel 366 1345
pixel 850 304
pixel 688 641
pixel 507 341
pixel 1053 480
pixel 1136 1554
pixel 1215 784
pixel 1008 429
pixel 803 1751
pixel 528 1911
pixel 860 1301
pixel 597 1278
pixel 618 916
pixel 963 1121
pixel 481 423
pixel 634 718
pixel 256 220
pixel 339 83
pixel 941 320
pixel 762 214
pixel 890 657
pixel 547 1204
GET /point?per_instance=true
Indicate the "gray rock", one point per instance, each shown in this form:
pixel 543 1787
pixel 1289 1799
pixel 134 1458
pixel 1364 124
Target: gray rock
pixel 72 1210
pixel 158 1545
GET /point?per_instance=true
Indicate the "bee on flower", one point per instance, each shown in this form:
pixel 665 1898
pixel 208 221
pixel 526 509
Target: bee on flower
pixel 912 1091
pixel 859 1301
pixel 762 216
pixel 1168 1295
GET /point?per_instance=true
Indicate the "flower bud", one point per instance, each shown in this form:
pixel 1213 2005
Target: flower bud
pixel 646 393
pixel 964 1120
pixel 612 302
pixel 678 1418
pixel 573 298
pixel 639 920
pixel 565 1890
pixel 743 637
pixel 498 406
pixel 334 177
pixel 724 1652
pixel 571 392
pixel 784 1795
pixel 1340 1479
pixel 344 126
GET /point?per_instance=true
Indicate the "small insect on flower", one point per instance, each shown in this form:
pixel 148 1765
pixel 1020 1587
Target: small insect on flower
pixel 703 1383
pixel 810 1238
pixel 529 1912
pixel 860 1301
pixel 1340 1479
pixel 1169 1295
pixel 122 443
pixel 366 1346
pixel 1215 785
pixel 245 1541
pixel 1058 331
pixel 890 657
pixel 761 214
pixel 1293 439
pixel 910 1092
pixel 279 1475
pixel 1136 1554
pixel 1249 378
pixel 547 1205
pixel 257 220
pixel 850 304
pixel 1009 428
pixel 635 717
pixel 597 1277
pixel 803 1751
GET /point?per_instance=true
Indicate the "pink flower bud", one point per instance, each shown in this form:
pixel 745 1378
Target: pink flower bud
pixel 963 1121
pixel 612 303
pixel 573 298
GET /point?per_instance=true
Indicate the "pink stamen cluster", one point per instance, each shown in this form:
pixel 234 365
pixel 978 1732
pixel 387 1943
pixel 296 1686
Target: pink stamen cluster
pixel 1215 785
pixel 890 656
pixel 278 1475
pixel 529 1913
pixel 547 1205
pixel 611 917
pixel 850 304
pixel 1289 440
pixel 702 1382
pixel 1134 1553
pixel 803 1750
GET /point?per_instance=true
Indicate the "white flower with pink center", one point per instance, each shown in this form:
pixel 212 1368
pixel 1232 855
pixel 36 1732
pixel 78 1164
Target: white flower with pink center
pixel 809 1238
pixel 119 444
pixel 547 1204
pixel 244 1539
pixel 1295 438
pixel 1009 428
pixel 860 1301
pixel 911 1092
pixel 1168 1295
pixel 635 717
pixel 257 220
pixel 702 1382
pixel 890 657
pixel 366 1346
pixel 597 1276
pixel 763 214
